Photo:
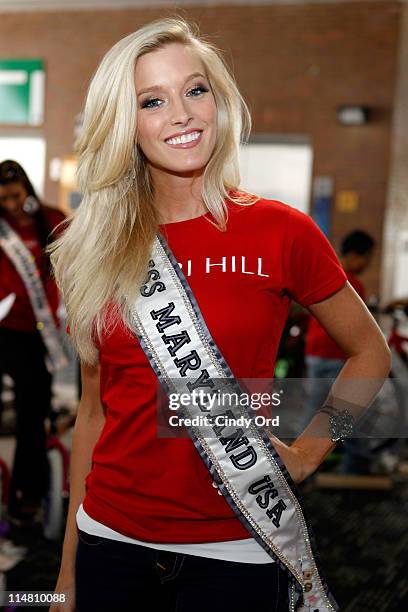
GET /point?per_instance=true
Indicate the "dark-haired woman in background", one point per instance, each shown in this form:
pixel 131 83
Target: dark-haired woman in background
pixel 22 349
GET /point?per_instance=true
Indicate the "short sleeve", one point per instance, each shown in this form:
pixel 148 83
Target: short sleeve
pixel 312 271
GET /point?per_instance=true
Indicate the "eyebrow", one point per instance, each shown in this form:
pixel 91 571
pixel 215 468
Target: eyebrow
pixel 157 87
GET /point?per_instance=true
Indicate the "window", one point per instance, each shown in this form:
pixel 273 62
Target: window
pixel 278 171
pixel 29 151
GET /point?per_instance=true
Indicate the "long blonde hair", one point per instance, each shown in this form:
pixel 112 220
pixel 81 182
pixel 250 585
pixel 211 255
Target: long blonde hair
pixel 102 255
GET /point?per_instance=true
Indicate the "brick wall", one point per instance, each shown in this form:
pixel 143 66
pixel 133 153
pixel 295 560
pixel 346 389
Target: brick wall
pixel 294 64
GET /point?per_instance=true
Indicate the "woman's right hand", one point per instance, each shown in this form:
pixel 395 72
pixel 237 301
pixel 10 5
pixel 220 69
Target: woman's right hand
pixel 65 586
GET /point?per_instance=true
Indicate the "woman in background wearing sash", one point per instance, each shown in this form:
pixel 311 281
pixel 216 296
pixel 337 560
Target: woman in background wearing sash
pixel 22 351
pixel 159 151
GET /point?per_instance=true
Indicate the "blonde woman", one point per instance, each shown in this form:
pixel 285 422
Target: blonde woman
pixel 159 157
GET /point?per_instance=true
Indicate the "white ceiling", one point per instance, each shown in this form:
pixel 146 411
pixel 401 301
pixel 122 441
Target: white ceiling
pixel 64 5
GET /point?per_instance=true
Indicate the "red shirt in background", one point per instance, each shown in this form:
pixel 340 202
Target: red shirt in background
pixel 318 341
pixel 21 316
pixel 158 489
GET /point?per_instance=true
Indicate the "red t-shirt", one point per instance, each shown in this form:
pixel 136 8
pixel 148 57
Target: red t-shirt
pixel 158 489
pixel 318 342
pixel 21 316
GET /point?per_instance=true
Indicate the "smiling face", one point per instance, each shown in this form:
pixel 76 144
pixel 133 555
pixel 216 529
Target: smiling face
pixel 177 114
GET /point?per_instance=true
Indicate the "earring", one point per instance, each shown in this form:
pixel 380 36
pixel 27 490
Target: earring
pixel 31 205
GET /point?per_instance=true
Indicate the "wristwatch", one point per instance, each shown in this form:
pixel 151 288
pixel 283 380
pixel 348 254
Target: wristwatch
pixel 341 423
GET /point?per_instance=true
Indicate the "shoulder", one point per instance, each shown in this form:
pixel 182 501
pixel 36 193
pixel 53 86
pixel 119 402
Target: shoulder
pixel 53 215
pixel 274 215
pixel 263 210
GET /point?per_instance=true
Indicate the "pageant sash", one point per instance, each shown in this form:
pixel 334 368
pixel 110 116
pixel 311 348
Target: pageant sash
pixel 24 262
pixel 244 464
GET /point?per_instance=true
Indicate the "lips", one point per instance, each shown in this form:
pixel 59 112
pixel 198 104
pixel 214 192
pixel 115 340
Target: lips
pixel 183 133
pixel 185 141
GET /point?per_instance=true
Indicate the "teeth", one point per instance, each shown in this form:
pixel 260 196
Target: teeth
pixel 184 139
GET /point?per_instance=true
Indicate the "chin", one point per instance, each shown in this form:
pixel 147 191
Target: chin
pixel 181 168
pixel 186 171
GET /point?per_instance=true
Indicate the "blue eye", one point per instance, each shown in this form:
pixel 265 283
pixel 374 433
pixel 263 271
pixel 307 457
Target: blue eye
pixel 200 89
pixel 148 103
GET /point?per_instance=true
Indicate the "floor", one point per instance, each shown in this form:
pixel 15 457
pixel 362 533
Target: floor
pixel 362 538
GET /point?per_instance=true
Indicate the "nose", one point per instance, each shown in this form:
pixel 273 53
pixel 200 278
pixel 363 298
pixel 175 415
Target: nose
pixel 180 112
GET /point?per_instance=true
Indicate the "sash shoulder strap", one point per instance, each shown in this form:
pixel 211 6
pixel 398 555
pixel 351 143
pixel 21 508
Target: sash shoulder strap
pixel 24 262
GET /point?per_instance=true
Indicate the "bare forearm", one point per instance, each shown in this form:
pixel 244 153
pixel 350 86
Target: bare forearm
pixel 359 381
pixel 86 433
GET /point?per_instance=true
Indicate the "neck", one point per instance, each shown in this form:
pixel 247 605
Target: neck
pixel 25 220
pixel 177 197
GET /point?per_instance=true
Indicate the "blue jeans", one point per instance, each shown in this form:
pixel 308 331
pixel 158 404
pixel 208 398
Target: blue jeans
pixel 112 575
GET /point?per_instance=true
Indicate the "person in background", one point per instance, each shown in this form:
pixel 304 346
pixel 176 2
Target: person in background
pixel 22 351
pixel 324 358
